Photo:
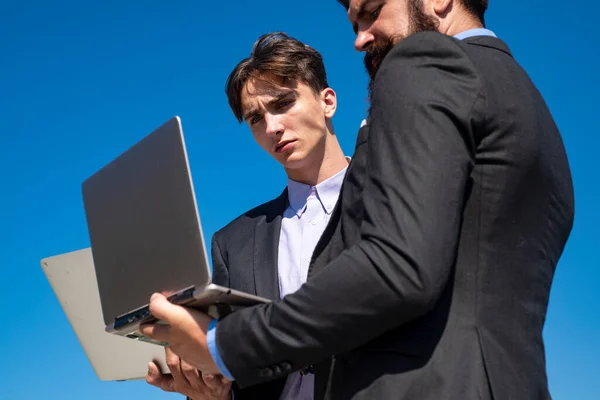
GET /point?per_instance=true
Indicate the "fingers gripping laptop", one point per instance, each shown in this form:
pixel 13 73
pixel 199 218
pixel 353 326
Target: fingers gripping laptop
pixel 146 235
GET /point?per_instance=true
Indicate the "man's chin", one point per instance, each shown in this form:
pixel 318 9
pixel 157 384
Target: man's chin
pixel 293 160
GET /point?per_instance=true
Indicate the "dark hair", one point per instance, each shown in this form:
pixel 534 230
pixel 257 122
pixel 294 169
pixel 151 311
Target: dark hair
pixel 477 8
pixel 282 56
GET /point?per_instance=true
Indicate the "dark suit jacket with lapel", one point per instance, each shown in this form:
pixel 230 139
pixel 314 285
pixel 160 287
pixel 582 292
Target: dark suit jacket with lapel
pixel 244 255
pixel 434 282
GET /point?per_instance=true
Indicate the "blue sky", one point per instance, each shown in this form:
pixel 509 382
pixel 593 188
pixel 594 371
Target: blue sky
pixel 82 81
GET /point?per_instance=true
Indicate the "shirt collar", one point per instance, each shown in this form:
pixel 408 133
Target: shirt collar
pixel 474 32
pixel 328 192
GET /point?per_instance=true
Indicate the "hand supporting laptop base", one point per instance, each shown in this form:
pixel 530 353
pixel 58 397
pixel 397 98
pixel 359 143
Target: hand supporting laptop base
pixel 185 332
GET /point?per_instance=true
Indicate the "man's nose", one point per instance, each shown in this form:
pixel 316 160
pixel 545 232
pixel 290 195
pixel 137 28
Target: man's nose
pixel 363 40
pixel 274 125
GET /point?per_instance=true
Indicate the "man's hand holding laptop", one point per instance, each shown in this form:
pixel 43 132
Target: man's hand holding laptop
pixel 184 329
pixel 193 371
pixel 187 380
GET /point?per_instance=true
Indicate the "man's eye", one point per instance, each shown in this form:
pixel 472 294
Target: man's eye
pixel 375 13
pixel 284 104
pixel 255 119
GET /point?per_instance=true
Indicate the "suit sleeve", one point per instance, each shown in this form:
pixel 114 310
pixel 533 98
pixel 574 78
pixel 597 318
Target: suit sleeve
pixel 421 153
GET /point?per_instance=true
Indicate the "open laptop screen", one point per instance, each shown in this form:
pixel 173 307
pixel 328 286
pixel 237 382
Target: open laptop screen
pixel 143 223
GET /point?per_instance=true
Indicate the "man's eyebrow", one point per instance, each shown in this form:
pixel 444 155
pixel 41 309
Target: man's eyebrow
pixel 250 113
pixel 359 14
pixel 281 94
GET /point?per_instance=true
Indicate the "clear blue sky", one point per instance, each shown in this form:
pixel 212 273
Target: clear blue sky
pixel 82 81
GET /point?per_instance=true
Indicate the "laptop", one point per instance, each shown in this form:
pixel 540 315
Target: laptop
pixel 146 235
pixel 113 358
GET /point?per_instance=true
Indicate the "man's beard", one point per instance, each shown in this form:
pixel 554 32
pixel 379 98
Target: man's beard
pixel 376 52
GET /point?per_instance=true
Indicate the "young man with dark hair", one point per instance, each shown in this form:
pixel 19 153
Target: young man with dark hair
pixel 281 91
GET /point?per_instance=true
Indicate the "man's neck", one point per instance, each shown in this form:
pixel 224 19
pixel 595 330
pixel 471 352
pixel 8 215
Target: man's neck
pixel 459 22
pixel 330 163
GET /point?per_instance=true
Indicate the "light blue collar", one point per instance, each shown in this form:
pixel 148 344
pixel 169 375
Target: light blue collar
pixel 474 32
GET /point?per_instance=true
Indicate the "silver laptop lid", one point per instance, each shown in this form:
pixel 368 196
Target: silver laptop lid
pixel 143 223
pixel 72 278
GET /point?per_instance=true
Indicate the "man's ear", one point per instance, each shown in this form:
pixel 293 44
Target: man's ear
pixel 329 102
pixel 441 7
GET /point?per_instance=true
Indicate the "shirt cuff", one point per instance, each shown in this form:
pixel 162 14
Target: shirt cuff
pixel 211 341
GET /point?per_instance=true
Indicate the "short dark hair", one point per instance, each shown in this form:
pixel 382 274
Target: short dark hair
pixel 281 55
pixel 477 8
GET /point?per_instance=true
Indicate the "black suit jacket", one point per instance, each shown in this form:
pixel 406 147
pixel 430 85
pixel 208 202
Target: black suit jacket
pixel 244 255
pixel 434 283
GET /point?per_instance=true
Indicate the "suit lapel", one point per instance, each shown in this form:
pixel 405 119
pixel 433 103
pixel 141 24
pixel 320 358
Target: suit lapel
pixel 316 262
pixel 327 244
pixel 266 245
